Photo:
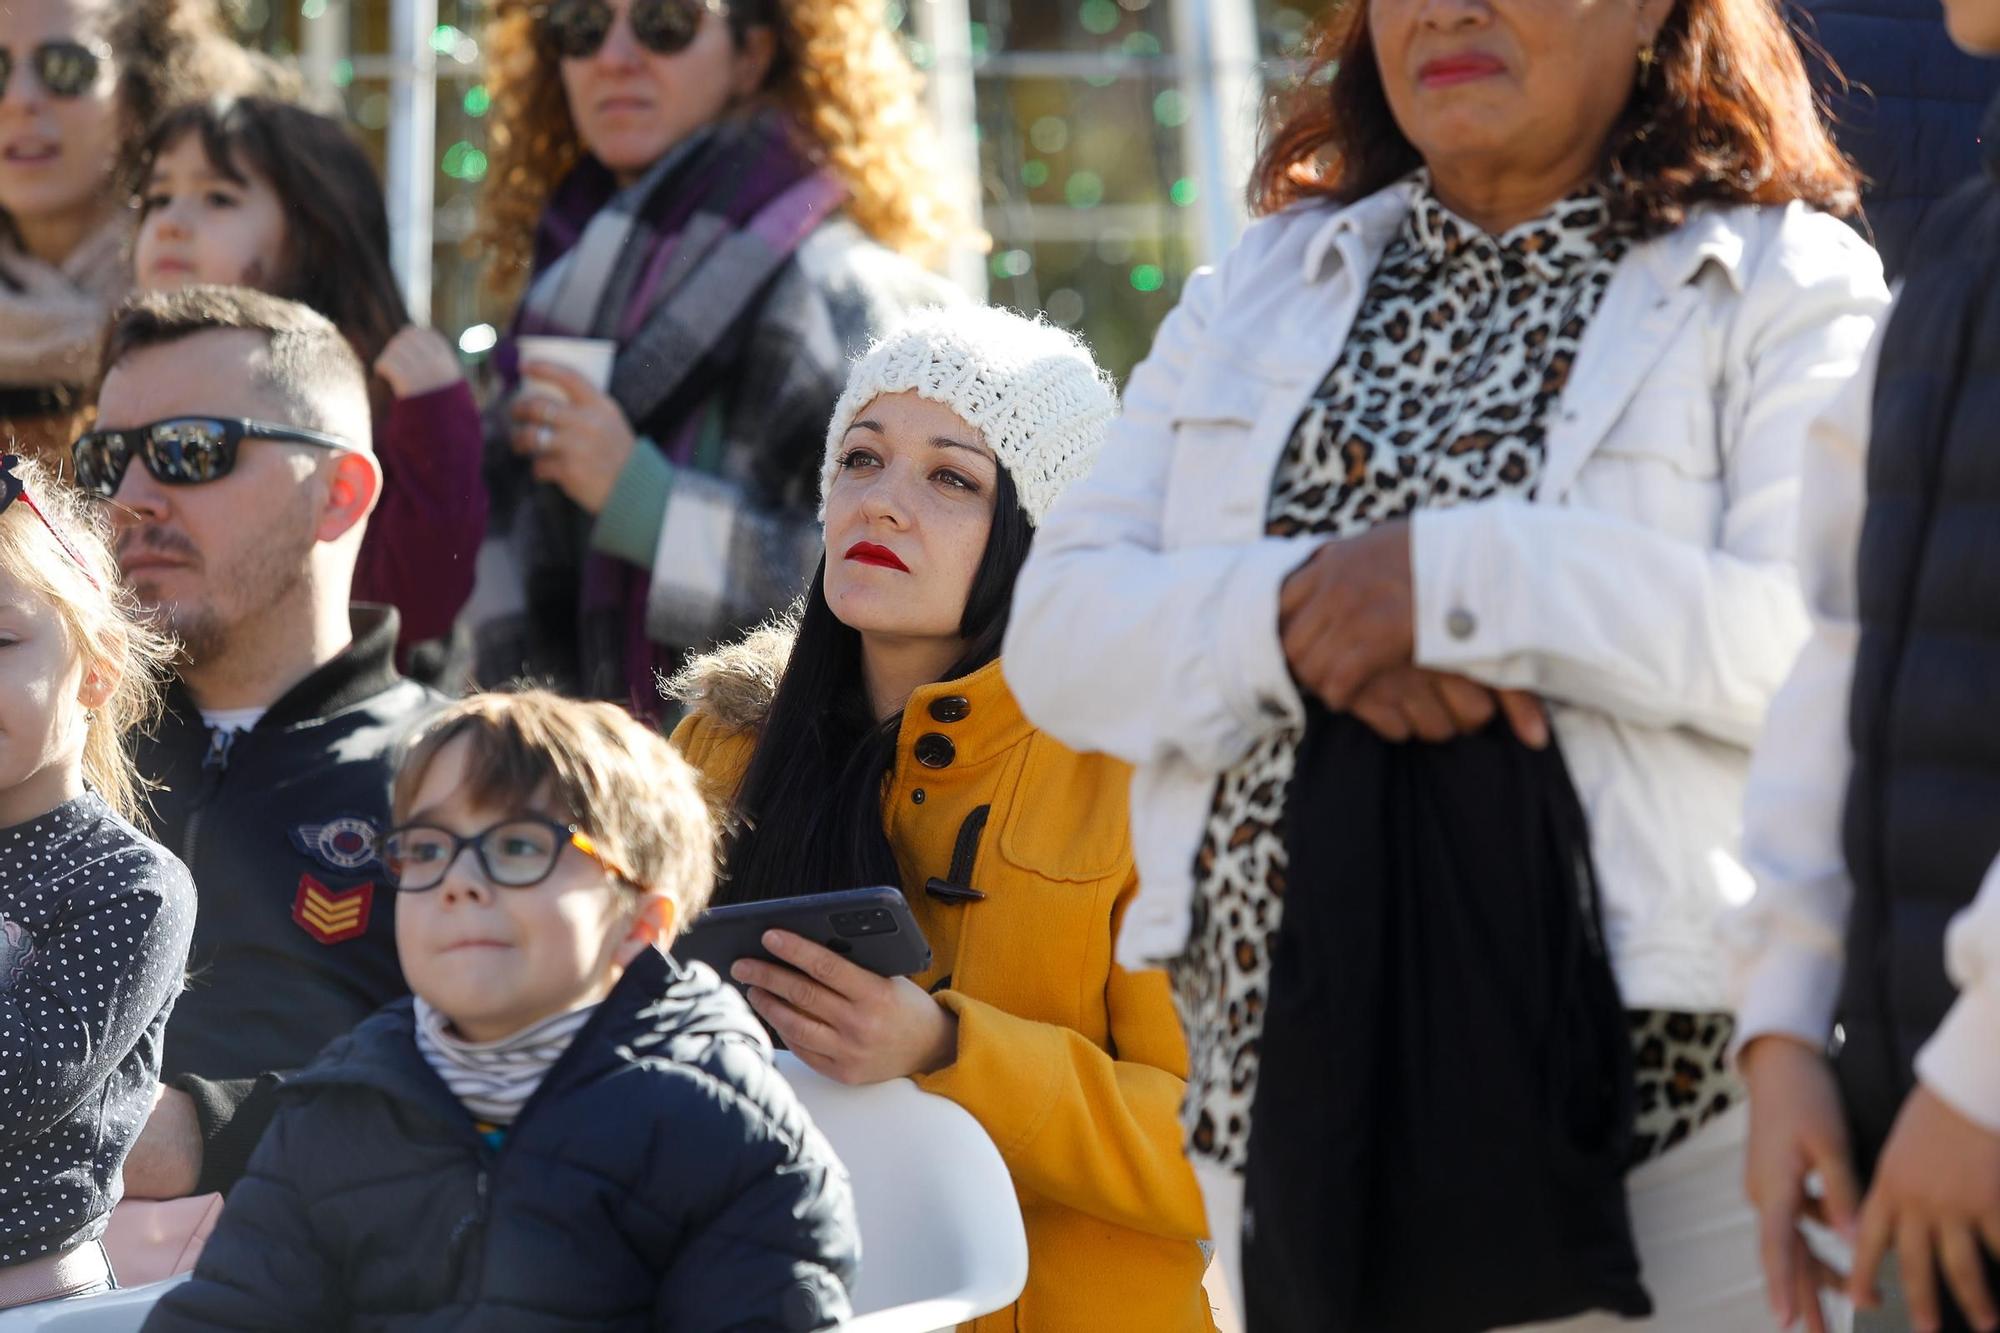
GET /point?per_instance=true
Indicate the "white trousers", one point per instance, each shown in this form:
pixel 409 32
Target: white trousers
pixel 1696 1234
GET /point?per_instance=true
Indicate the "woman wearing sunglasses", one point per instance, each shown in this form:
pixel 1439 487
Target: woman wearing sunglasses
pixel 79 82
pixel 718 187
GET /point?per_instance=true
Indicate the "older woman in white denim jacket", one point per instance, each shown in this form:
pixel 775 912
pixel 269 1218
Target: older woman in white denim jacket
pixel 1501 406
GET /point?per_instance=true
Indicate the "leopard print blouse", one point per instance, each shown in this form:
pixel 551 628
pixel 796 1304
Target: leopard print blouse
pixel 1463 343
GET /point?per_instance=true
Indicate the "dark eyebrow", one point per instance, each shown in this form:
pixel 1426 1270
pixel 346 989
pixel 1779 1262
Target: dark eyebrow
pixel 946 442
pixel 936 441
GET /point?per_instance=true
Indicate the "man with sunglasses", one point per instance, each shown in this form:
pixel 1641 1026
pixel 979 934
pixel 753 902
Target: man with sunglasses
pixel 233 446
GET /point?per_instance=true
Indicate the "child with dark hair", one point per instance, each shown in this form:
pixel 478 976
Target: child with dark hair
pixel 259 193
pixel 563 1128
pixel 82 80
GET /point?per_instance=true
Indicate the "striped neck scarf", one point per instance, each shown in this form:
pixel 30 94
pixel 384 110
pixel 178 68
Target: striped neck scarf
pixel 493 1080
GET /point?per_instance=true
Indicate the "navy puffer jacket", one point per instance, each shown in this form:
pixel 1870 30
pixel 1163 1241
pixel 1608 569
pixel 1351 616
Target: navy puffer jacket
pixel 1911 119
pixel 1919 827
pixel 663 1177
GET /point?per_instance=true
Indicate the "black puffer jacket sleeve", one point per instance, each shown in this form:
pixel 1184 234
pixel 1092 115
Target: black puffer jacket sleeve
pixel 263 1268
pixel 778 1254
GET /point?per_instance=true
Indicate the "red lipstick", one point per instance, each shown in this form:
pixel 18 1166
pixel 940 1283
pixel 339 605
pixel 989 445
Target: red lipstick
pixel 1448 71
pixel 868 553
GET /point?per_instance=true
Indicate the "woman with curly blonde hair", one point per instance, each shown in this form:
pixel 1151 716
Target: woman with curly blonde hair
pixel 736 193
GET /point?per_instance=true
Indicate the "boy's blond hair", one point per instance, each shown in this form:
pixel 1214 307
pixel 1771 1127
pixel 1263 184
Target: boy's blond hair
pixel 101 620
pixel 608 773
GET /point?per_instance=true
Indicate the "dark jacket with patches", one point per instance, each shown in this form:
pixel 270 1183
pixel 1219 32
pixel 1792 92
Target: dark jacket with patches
pixel 1920 827
pixel 1910 115
pixel 662 1177
pixel 295 941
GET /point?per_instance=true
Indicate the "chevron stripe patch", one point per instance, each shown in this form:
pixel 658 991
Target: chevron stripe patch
pixel 331 917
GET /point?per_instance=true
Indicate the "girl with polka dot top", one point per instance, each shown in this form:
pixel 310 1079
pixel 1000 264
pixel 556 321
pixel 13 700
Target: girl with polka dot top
pixel 95 918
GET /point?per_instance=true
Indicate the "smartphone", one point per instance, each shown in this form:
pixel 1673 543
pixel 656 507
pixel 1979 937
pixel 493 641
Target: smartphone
pixel 871 928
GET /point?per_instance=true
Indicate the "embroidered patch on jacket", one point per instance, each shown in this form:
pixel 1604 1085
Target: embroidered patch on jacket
pixel 17 950
pixel 331 916
pixel 346 845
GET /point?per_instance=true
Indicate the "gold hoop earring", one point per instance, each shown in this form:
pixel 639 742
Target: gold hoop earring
pixel 1648 57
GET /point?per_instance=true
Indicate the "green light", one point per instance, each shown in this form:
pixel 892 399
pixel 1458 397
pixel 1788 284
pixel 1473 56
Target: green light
pixel 1084 189
pixel 1170 108
pixel 477 100
pixel 1035 174
pixel 1148 278
pixel 1012 263
pixel 313 9
pixel 1183 191
pixel 444 38
pixel 1098 17
pixel 1141 44
pixel 343 73
pixel 980 39
pixel 463 162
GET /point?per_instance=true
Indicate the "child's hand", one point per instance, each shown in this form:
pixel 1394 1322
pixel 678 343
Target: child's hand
pixel 1936 1202
pixel 417 361
pixel 843 1020
pixel 1796 1131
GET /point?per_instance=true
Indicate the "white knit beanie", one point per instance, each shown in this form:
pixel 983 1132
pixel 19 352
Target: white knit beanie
pixel 1030 389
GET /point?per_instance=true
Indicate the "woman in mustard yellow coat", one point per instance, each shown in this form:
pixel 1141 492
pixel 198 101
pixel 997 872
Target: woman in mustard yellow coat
pixel 876 741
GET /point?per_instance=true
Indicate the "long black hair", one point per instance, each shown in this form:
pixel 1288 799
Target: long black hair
pixel 809 812
pixel 336 253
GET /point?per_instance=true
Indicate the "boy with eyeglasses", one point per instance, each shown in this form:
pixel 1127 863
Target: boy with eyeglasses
pixel 563 1128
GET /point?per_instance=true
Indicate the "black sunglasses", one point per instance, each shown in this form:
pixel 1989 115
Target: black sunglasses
pixel 577 28
pixel 180 451
pixel 516 853
pixel 65 68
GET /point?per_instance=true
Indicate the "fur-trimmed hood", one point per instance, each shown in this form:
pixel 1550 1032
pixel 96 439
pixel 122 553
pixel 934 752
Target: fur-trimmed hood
pixel 734 684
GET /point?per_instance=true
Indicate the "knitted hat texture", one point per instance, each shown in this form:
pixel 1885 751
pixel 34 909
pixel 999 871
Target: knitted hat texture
pixel 1030 389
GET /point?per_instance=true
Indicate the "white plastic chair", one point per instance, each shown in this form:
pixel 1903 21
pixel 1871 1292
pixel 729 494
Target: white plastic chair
pixel 114 1312
pixel 941 1236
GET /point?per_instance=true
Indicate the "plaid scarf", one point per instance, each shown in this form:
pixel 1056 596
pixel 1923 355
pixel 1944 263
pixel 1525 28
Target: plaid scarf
pixel 678 268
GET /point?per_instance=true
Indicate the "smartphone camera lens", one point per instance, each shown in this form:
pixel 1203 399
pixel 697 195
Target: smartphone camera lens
pixel 867 921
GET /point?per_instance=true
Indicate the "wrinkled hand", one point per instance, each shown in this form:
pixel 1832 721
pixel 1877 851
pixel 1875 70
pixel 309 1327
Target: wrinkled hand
pixel 1409 701
pixel 1346 614
pixel 165 1162
pixel 578 439
pixel 417 361
pixel 1796 1130
pixel 1936 1199
pixel 843 1020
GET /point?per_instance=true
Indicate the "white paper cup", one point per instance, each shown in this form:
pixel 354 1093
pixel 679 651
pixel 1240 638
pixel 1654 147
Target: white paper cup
pixel 588 357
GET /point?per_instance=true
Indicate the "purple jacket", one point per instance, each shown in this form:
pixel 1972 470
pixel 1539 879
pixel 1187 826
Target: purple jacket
pixel 423 539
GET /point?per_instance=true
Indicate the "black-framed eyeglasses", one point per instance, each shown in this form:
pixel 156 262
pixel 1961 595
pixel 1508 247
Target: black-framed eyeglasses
pixel 516 853
pixel 12 488
pixel 65 67
pixel 577 29
pixel 180 451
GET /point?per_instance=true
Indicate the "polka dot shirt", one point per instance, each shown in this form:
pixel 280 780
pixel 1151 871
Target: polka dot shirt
pixel 95 921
